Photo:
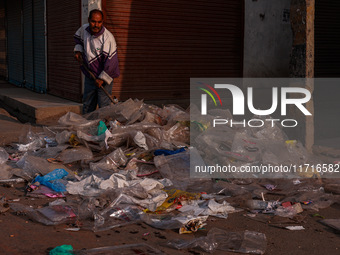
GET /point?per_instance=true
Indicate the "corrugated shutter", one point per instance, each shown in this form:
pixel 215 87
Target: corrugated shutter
pixel 326 65
pixel 15 42
pixel 3 63
pixel 327 38
pixel 39 46
pixel 28 44
pixel 161 44
pixel 63 20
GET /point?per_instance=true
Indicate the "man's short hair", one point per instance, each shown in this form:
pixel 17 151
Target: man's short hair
pixel 96 11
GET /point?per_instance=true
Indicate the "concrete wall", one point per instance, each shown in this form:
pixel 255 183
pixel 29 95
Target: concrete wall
pixel 267 38
pixel 87 6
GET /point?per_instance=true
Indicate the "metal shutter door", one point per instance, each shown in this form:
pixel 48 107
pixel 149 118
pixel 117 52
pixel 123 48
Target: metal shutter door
pixel 161 44
pixel 3 63
pixel 63 20
pixel 39 46
pixel 327 38
pixel 15 42
pixel 28 44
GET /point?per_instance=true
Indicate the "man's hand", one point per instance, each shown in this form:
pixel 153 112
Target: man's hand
pixel 99 83
pixel 79 57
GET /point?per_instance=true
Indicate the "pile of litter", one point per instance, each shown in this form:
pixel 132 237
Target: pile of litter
pixel 130 162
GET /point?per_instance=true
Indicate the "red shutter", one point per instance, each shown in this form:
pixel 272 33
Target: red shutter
pixel 63 20
pixel 162 44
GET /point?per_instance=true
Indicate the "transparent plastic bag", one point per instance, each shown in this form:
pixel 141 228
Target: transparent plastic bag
pixel 177 168
pixel 122 249
pixel 140 140
pixel 152 118
pixel 63 137
pixel 130 111
pixel 162 221
pixel 49 215
pixel 111 162
pixel 32 165
pixel 50 152
pixel 6 172
pixel 319 199
pixel 297 152
pixel 3 155
pixel 174 113
pixel 269 131
pixel 178 132
pixel 75 154
pixel 72 119
pixel 218 239
pixel 89 137
pixel 116 216
pixel 203 243
pixel 289 211
pixel 215 141
pixel 75 122
pixel 53 215
pixel 28 140
pixel 127 111
pixel 250 148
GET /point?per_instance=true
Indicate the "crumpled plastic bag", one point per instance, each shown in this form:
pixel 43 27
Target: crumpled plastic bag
pixel 48 215
pixel 177 168
pixel 28 140
pixel 110 162
pixel 6 172
pixel 140 140
pixel 128 188
pixel 3 155
pixel 218 239
pixel 117 216
pixel 208 208
pixel 168 221
pixel 75 154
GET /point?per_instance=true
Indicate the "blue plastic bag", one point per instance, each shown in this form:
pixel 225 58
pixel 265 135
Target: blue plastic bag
pixel 51 180
pixel 167 152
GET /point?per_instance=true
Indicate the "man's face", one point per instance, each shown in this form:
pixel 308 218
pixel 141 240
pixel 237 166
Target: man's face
pixel 96 23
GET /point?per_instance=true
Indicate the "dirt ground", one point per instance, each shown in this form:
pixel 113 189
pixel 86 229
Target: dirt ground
pixel 19 235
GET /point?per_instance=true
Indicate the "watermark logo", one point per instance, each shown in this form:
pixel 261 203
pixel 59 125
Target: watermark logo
pixel 204 97
pixel 238 100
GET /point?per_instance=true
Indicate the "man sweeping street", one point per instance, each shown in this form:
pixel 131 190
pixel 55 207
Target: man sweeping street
pixel 96 51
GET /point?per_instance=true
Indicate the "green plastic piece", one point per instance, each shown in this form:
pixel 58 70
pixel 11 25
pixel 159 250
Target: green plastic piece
pixel 101 128
pixel 62 250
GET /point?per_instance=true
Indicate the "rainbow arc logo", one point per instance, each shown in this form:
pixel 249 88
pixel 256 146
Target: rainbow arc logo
pixel 209 93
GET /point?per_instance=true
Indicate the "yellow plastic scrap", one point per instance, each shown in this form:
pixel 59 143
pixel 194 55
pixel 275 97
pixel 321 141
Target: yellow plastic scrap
pixel 199 126
pixel 308 172
pixel 174 199
pixel 73 140
pixel 305 171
